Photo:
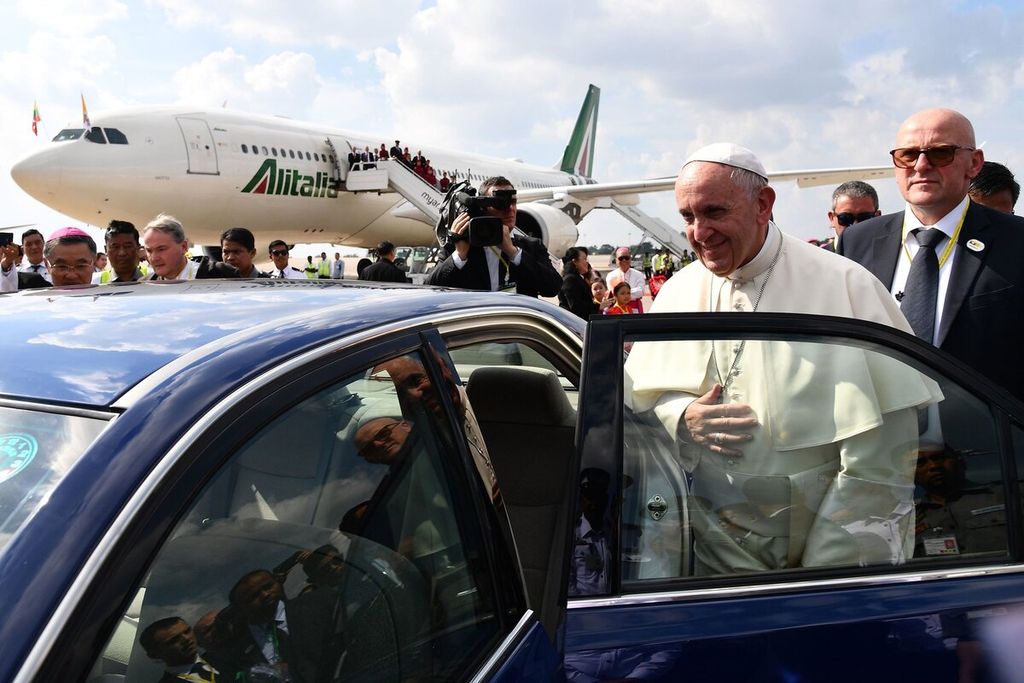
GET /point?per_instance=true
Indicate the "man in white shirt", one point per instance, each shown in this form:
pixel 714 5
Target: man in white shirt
pixel 32 242
pixel 282 269
pixel 631 276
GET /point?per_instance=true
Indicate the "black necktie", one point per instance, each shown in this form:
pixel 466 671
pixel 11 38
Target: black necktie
pixel 35 268
pixel 921 292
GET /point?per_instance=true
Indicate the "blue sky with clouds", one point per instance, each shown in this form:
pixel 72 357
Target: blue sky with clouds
pixel 804 84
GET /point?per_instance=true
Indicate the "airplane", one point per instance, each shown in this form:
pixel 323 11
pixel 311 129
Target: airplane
pixel 215 169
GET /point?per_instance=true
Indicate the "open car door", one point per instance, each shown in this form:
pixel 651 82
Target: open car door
pixel 868 528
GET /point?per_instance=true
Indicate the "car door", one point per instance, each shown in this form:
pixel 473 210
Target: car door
pixel 326 522
pixel 869 528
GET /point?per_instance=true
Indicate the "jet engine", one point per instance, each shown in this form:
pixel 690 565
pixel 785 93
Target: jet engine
pixel 550 225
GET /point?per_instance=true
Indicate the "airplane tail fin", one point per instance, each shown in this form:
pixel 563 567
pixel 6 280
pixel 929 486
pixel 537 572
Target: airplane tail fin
pixel 579 153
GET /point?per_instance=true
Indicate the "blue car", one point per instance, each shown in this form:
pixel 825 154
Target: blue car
pixel 312 481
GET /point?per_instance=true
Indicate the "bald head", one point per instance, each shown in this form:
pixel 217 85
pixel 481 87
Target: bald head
pixel 934 190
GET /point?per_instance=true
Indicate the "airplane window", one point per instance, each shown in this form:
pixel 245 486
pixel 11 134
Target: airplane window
pixel 96 135
pixel 69 134
pixel 245 148
pixel 273 150
pixel 307 156
pixel 115 136
pixel 316 156
pixel 291 153
pixel 265 152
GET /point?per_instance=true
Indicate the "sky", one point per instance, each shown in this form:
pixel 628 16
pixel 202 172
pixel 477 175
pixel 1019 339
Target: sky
pixel 804 84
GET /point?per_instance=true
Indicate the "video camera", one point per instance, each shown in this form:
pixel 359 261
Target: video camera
pixel 484 230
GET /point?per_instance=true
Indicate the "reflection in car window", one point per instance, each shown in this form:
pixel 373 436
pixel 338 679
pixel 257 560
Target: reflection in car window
pixel 69 134
pixel 331 546
pixel 806 454
pixel 36 451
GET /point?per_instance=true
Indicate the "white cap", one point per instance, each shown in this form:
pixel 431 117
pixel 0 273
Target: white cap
pixel 729 154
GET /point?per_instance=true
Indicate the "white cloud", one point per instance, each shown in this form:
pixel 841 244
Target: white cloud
pixel 72 17
pixel 332 23
pixel 286 83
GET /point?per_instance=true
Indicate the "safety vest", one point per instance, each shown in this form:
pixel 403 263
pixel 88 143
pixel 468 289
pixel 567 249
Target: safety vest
pixel 325 268
pixel 310 271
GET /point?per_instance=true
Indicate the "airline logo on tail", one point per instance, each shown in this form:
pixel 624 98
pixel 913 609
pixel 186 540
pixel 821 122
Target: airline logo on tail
pixel 579 153
pixel 270 179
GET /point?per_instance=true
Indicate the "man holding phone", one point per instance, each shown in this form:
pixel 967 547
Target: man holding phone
pixel 11 280
pixel 32 243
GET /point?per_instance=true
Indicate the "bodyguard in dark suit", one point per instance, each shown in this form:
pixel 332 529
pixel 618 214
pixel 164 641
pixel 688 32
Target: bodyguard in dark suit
pixel 956 267
pixel 384 270
pixel 520 262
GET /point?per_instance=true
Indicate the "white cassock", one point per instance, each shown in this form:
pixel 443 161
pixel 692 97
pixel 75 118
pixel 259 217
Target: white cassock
pixel 828 477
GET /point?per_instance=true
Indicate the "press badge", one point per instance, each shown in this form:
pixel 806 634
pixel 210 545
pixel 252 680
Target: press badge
pixel 941 545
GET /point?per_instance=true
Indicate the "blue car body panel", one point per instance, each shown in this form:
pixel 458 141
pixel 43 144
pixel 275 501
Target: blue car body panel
pixel 263 323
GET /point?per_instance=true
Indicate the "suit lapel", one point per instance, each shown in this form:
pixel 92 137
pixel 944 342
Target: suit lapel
pixel 966 265
pixel 886 250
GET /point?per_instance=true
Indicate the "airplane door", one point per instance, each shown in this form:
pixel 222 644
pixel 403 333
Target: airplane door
pixel 202 153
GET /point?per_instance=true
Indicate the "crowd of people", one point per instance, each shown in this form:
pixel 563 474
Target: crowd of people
pixel 161 252
pixel 418 163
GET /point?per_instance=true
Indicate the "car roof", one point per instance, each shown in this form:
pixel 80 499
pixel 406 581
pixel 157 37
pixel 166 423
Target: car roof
pixel 88 345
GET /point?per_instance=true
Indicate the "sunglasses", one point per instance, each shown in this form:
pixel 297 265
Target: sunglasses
pixel 279 252
pixel 943 155
pixel 848 219
pixel 625 258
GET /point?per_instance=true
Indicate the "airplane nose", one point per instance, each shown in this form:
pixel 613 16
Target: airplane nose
pixel 38 174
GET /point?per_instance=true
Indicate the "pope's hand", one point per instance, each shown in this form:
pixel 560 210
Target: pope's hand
pixel 719 427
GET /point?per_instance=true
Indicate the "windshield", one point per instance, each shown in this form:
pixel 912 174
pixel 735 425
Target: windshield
pixel 36 451
pixel 69 134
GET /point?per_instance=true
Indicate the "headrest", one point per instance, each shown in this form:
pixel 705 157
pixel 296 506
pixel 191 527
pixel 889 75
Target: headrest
pixel 519 395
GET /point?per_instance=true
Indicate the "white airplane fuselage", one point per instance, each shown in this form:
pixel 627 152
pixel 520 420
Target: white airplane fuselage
pixel 217 169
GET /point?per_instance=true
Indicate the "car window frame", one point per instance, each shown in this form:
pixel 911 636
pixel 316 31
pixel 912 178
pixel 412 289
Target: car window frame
pixel 92 620
pixel 601 393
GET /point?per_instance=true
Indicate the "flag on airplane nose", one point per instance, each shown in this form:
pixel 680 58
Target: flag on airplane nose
pixel 85 114
pixel 36 118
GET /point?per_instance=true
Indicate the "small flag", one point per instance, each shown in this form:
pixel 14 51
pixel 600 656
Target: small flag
pixel 85 114
pixel 36 118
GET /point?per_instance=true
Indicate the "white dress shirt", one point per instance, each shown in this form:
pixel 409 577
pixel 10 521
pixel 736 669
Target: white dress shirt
pixel 947 225
pixel 38 268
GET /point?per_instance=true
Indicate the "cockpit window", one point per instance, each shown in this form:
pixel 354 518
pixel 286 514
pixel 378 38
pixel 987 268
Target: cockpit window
pixel 115 137
pixel 69 134
pixel 96 135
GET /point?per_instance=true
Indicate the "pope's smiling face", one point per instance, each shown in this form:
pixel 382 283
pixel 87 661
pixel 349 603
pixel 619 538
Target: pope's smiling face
pixel 725 225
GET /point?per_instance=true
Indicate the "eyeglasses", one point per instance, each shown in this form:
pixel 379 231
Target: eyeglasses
pixel 63 268
pixel 625 258
pixel 943 155
pixel 848 219
pixel 279 252
pixel 383 434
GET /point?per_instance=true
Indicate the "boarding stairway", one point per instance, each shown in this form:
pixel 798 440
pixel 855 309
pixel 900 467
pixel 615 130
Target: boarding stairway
pixel 661 231
pixel 381 176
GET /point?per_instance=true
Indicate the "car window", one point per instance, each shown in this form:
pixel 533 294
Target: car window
pixel 470 357
pixel 332 545
pixel 36 451
pixel 809 454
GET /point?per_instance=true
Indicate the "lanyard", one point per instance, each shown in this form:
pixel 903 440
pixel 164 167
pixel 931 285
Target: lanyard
pixel 952 240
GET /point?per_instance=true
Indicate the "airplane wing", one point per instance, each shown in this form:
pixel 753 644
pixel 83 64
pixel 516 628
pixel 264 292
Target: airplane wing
pixel 809 178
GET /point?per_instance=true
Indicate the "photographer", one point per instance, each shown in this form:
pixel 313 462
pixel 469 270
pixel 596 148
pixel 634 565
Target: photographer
pixel 515 262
